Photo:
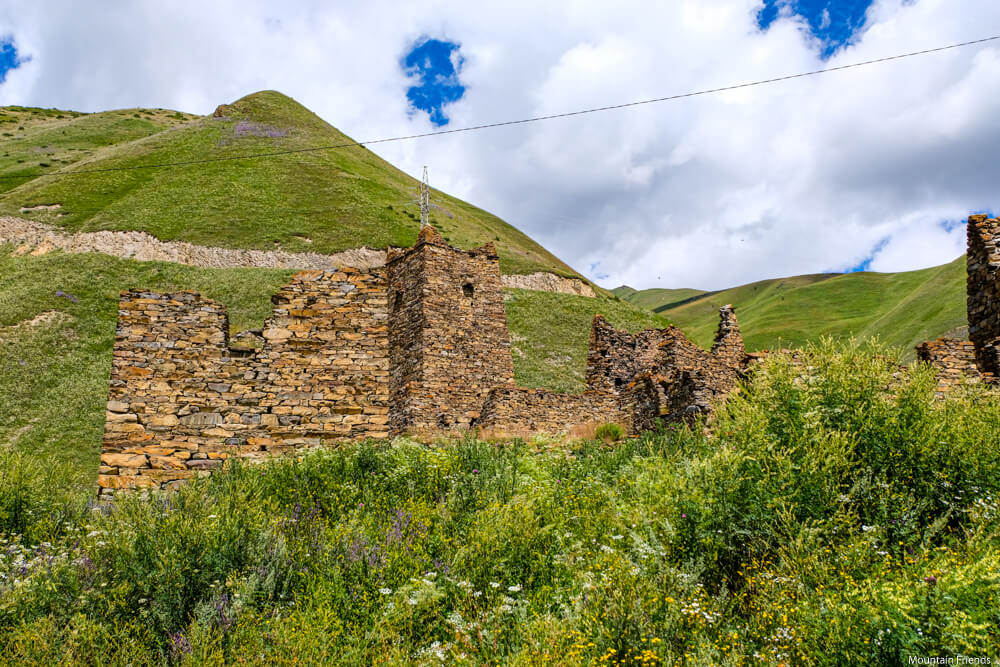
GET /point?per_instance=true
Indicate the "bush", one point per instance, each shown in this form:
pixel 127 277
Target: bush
pixel 610 432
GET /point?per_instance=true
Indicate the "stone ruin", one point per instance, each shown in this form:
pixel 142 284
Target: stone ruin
pixel 418 346
pixel 976 360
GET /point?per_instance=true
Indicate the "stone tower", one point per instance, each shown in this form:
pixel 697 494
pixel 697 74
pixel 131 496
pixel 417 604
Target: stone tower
pixel 448 340
pixel 983 258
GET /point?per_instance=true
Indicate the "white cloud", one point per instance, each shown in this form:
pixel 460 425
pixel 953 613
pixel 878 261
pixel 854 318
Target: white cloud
pixel 797 177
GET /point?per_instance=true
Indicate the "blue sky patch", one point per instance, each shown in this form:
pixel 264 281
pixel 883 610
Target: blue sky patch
pixel 434 66
pixel 597 271
pixel 951 225
pixel 866 263
pixel 833 22
pixel 9 58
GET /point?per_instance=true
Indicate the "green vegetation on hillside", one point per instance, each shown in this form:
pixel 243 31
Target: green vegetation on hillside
pixel 656 299
pixel 550 334
pixel 54 375
pixel 40 141
pixel 322 201
pixel 824 522
pixel 902 309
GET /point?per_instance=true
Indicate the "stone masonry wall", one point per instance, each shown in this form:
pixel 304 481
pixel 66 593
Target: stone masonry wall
pixel 955 360
pixel 519 411
pixel 169 351
pixel 978 359
pixel 448 337
pixel 181 400
pixel 616 357
pixel 687 378
pixel 420 345
pixel 983 289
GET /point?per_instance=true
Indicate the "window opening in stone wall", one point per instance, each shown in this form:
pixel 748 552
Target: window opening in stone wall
pixel 397 301
pixel 467 290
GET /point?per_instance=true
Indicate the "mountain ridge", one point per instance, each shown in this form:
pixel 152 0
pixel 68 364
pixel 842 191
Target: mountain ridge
pixel 903 308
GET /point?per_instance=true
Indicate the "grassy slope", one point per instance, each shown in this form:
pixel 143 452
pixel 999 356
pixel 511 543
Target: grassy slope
pixel 54 378
pixel 550 334
pixel 324 201
pixel 902 309
pixel 656 299
pixel 39 141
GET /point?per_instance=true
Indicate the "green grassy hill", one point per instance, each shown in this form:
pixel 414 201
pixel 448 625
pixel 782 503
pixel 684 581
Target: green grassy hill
pixel 654 299
pixel 902 309
pixel 321 201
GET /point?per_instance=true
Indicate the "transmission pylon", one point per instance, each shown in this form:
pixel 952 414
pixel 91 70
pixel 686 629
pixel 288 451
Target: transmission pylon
pixel 425 201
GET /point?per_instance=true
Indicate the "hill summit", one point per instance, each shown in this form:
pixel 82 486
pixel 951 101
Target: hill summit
pixel 294 198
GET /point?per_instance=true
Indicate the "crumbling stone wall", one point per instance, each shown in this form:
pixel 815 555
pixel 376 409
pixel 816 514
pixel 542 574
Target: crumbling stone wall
pixel 616 357
pixel 955 360
pixel 169 351
pixel 449 344
pixel 420 345
pixel 324 368
pixel 978 359
pixel 983 290
pixel 688 380
pixel 181 400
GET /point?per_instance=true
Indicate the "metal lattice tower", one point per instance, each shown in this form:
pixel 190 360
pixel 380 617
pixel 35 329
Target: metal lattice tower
pixel 425 201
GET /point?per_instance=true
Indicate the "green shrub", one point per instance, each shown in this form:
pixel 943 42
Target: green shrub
pixel 610 432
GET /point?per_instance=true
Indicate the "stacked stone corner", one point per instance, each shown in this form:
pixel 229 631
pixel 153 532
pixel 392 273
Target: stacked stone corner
pixel 961 362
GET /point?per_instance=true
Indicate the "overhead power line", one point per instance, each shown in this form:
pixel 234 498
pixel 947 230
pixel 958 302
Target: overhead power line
pixel 520 121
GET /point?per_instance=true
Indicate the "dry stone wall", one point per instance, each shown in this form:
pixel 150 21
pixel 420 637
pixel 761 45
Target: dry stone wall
pixel 419 346
pixel 516 411
pixel 976 360
pixel 448 337
pixel 983 288
pixel 687 379
pixel 955 360
pixel 182 400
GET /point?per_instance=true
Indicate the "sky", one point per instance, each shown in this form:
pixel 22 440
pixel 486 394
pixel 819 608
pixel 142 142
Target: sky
pixel 872 168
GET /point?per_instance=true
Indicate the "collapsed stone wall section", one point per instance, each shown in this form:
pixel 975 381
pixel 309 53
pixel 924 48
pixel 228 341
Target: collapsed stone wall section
pixel 687 379
pixel 954 359
pixel 616 357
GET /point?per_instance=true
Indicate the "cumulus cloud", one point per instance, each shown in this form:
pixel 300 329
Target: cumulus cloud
pixel 810 175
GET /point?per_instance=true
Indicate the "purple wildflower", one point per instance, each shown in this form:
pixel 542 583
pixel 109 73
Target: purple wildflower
pixel 179 644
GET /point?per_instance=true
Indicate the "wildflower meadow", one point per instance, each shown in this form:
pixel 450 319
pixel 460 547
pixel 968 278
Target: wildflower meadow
pixel 833 512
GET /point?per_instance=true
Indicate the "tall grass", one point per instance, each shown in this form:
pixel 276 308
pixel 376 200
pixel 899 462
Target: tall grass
pixel 835 513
